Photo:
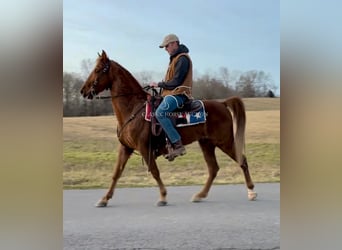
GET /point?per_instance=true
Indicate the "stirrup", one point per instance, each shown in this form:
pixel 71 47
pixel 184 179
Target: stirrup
pixel 173 153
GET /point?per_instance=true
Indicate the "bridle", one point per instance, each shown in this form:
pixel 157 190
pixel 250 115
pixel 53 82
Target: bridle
pixel 94 84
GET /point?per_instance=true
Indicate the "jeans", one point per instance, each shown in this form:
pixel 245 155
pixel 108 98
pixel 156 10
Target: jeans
pixel 169 104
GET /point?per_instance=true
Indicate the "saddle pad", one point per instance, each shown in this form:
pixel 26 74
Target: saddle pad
pixel 183 118
pixel 148 112
pixel 188 118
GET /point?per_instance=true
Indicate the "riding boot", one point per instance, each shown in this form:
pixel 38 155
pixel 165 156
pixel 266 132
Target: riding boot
pixel 177 150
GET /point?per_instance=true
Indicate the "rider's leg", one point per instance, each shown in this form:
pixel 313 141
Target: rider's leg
pixel 169 104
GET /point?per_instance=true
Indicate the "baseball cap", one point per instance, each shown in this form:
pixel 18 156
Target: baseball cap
pixel 168 39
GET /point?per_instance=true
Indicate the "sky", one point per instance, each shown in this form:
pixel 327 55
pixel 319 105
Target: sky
pixel 240 35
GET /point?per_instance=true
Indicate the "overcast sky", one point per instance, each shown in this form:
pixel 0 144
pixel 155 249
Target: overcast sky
pixel 237 34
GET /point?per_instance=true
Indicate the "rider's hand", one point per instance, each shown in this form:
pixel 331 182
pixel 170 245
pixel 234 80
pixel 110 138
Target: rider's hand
pixel 154 84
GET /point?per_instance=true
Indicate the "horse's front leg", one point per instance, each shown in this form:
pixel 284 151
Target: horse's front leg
pixel 124 154
pixel 151 162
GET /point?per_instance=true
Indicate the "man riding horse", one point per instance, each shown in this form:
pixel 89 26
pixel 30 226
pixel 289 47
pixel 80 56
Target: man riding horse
pixel 176 90
pixel 224 128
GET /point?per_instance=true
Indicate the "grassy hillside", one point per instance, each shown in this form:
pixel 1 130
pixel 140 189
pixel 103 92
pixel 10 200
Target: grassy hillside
pixel 90 152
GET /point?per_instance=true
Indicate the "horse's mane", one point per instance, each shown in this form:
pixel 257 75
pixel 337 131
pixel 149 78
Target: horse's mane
pixel 128 77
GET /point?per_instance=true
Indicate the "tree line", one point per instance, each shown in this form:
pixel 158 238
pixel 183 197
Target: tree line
pixel 219 85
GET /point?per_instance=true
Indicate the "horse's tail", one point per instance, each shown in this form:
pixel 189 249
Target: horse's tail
pixel 237 107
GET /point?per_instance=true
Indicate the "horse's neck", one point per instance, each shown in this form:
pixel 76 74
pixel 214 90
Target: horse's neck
pixel 127 97
pixel 126 106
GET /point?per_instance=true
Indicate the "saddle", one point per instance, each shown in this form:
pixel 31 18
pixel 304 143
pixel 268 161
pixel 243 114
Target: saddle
pixel 192 113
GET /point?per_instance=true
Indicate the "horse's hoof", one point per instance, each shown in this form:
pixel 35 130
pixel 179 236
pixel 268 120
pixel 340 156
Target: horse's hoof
pixel 161 203
pixel 252 195
pixel 195 198
pixel 101 203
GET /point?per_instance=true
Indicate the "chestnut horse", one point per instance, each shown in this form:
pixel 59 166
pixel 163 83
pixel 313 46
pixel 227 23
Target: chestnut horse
pixel 129 99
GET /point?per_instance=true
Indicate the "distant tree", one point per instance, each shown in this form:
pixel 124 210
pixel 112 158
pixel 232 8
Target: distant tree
pixel 270 94
pixel 143 77
pixel 75 105
pixel 246 84
pixel 71 97
pixel 209 87
pixel 254 83
pixel 67 92
pixel 225 76
pixel 87 65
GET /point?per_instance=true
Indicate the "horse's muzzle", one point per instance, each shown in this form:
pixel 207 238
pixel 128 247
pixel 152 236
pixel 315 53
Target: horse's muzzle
pixel 89 94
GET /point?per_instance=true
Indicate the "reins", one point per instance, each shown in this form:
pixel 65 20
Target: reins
pixel 145 88
pixel 119 131
pixel 115 96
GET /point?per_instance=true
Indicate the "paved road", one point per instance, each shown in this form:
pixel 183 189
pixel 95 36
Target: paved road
pixel 226 220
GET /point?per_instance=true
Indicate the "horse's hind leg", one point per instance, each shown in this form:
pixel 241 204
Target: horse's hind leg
pixel 244 166
pixel 208 150
pixel 250 186
pixel 249 183
pixel 124 154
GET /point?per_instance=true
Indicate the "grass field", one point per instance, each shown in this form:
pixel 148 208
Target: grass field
pixel 90 152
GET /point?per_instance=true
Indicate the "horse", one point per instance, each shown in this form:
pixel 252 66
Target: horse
pixel 134 132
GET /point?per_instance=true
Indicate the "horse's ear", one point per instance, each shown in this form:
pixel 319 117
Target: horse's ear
pixel 104 55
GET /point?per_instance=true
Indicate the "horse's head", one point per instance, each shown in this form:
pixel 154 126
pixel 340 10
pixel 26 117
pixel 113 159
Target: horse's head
pixel 99 79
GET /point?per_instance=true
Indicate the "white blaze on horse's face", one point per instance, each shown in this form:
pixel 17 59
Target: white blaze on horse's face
pixel 98 79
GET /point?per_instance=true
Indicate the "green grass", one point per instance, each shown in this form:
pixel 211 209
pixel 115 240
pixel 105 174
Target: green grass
pixel 85 167
pixel 90 153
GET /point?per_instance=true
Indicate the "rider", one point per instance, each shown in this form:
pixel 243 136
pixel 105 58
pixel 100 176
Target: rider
pixel 176 90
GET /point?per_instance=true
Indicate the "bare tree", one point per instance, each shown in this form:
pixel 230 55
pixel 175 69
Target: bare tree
pixel 144 77
pixel 87 65
pixel 209 87
pixel 246 84
pixel 71 98
pixel 254 84
pixel 224 74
